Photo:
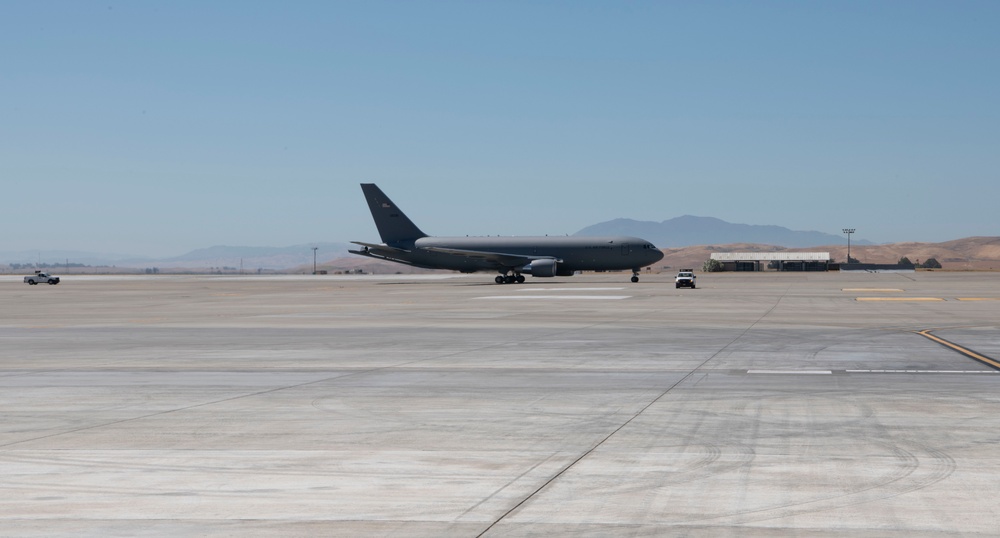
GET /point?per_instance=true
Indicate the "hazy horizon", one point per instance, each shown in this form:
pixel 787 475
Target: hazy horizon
pixel 157 129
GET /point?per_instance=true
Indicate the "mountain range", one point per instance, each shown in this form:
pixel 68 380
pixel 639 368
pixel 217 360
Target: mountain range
pixel 688 231
pixel 248 258
pixel 686 238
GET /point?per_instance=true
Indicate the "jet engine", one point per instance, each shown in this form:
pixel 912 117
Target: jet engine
pixel 546 267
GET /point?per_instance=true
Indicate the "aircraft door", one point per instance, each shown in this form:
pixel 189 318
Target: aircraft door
pixel 626 249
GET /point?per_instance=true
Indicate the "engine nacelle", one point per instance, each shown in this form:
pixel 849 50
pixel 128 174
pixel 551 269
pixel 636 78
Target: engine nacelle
pixel 541 268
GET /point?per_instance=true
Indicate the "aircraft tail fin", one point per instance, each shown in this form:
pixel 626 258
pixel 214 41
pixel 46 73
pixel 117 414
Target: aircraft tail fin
pixel 393 226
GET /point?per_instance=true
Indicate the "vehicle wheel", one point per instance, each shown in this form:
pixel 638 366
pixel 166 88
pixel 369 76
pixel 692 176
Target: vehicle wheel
pixel 498 280
pixel 32 282
pixel 693 286
pixel 635 279
pixel 678 286
pixel 53 283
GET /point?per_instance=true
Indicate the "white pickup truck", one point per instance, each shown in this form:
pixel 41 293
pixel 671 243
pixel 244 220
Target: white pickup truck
pixel 41 278
pixel 685 277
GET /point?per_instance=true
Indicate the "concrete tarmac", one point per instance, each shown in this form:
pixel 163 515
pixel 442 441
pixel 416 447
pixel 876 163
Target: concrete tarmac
pixel 795 404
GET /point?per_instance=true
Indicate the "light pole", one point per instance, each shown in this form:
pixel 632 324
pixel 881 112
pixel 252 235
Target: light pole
pixel 317 248
pixel 848 231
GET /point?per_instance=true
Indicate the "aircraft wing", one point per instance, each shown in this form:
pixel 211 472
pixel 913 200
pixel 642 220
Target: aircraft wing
pixel 500 258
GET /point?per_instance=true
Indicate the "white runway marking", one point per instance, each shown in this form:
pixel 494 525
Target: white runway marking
pixel 575 297
pixel 571 289
pixel 810 372
pixel 872 289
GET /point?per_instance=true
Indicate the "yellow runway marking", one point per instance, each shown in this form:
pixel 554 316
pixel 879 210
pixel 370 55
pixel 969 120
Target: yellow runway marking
pixel 872 289
pixel 898 299
pixel 967 352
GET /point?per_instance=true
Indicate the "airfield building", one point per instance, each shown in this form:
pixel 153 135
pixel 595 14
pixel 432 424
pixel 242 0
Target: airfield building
pixel 773 261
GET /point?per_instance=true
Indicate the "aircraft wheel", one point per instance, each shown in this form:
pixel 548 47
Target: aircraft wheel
pixel 498 280
pixel 635 279
pixel 520 279
pixel 509 279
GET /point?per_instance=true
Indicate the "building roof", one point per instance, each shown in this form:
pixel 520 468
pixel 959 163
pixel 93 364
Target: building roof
pixel 771 256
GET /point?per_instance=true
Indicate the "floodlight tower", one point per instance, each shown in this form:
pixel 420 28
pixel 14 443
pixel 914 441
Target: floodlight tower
pixel 848 231
pixel 317 248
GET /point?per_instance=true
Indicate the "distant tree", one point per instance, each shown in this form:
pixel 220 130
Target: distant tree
pixel 931 263
pixel 712 266
pixel 905 262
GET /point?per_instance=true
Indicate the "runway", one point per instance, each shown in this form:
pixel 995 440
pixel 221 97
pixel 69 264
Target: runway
pixel 446 405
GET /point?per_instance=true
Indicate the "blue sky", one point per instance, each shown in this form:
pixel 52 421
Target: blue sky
pixel 155 128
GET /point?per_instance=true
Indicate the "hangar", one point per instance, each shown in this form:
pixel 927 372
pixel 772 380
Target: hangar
pixel 774 261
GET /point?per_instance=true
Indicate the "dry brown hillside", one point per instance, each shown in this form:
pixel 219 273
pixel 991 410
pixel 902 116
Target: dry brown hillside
pixel 973 253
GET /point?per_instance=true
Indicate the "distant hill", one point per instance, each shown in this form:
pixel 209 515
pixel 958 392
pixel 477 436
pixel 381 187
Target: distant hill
pixel 251 258
pixel 689 231
pixel 61 256
pixel 256 257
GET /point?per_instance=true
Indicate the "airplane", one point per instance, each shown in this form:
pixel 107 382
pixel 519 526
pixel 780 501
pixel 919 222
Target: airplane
pixel 512 257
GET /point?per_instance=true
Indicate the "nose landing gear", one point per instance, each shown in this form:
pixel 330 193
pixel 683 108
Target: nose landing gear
pixel 635 275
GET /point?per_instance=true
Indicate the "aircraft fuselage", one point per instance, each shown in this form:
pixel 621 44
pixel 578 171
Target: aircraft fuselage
pixel 574 253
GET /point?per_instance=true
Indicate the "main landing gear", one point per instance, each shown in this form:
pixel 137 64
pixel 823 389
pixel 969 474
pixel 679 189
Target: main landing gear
pixel 509 279
pixel 519 278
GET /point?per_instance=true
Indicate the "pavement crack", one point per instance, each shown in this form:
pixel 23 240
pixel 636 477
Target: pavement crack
pixel 622 426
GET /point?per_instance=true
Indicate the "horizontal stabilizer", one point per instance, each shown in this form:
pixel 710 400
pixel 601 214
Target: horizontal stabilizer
pixel 385 248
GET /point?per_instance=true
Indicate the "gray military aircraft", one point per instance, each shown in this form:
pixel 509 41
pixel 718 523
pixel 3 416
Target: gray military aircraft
pixel 512 257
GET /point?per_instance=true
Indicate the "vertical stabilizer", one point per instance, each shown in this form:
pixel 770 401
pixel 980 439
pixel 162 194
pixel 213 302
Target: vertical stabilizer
pixel 392 224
